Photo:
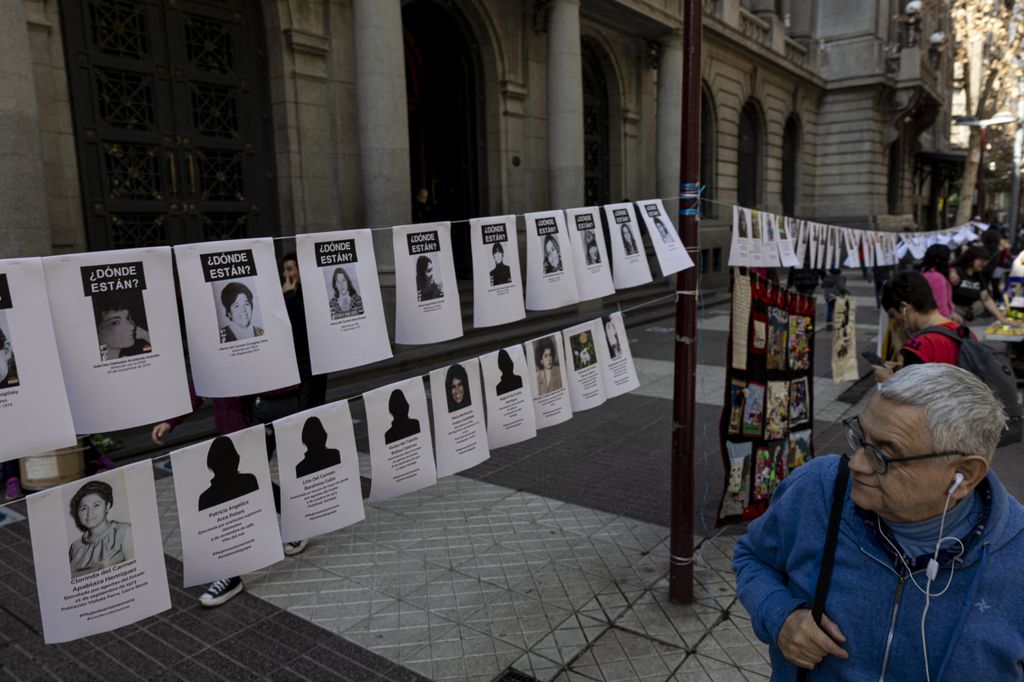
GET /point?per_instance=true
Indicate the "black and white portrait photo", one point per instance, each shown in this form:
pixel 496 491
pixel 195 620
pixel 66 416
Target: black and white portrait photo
pixel 428 278
pixel 591 252
pixel 509 380
pixel 402 425
pixel 612 335
pixel 121 325
pixel 238 314
pixel 662 230
pixel 456 384
pixel 8 367
pixel 343 291
pixel 228 483
pixel 583 354
pixel 500 273
pixel 317 456
pixel 549 373
pixel 628 242
pixel 101 532
pixel 552 254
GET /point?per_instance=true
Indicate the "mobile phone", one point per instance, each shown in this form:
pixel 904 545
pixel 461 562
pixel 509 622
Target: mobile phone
pixel 873 358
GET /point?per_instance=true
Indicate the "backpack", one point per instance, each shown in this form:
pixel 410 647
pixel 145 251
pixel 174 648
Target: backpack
pixel 992 366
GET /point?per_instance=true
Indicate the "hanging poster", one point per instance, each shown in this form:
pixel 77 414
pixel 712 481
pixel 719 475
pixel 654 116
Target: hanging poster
pixel 737 492
pixel 116 321
pixel 593 271
pixel 98 554
pixel 401 454
pixel 801 327
pixel 614 357
pixel 770 237
pixel 757 243
pixel 425 287
pixel 823 234
pixel 460 432
pixel 550 269
pixel 239 335
pixel 668 247
pixel 342 300
pixel 586 378
pixel 799 402
pixel 550 389
pixel 787 238
pixel 737 400
pixel 775 422
pixel 799 449
pixel 753 410
pixel 510 412
pixel 226 506
pixel 739 249
pixel 844 341
pixel 740 320
pixel 852 240
pixel 769 469
pixel 831 236
pixel 34 412
pixel 802 241
pixel 318 467
pixel 778 335
pixel 629 261
pixel 497 281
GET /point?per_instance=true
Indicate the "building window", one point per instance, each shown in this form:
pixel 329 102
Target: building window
pixel 716 259
pixel 894 190
pixel 703 261
pixel 707 153
pixel 790 157
pixel 749 157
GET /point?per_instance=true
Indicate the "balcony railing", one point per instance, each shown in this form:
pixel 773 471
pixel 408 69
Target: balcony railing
pixel 757 30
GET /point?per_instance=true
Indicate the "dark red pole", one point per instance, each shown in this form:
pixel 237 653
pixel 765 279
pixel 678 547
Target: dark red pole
pixel 683 398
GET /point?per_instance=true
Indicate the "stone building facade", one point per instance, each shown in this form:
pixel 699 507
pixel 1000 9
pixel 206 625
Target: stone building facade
pixel 129 122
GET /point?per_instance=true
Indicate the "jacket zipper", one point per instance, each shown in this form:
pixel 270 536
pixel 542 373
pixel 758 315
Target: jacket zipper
pixel 892 626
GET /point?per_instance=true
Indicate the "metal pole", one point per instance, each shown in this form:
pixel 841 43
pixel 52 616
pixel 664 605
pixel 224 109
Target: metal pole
pixel 1018 142
pixel 979 180
pixel 683 397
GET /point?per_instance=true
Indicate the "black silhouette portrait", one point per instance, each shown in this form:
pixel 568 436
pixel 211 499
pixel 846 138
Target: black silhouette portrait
pixel 401 425
pixel 317 456
pixel 227 483
pixel 509 381
pixel 456 384
pixel 501 274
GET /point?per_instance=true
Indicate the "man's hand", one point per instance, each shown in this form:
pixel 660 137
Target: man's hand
pixel 290 283
pixel 159 431
pixel 804 644
pixel 883 373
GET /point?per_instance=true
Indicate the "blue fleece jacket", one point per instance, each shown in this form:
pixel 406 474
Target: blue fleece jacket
pixel 974 631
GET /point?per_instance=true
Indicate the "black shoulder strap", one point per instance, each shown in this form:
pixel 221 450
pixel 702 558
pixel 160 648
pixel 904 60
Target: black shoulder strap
pixel 945 331
pixel 828 558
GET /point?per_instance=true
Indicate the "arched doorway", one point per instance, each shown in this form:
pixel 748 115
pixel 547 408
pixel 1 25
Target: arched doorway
pixel 170 103
pixel 596 138
pixel 445 110
pixel 790 160
pixel 748 190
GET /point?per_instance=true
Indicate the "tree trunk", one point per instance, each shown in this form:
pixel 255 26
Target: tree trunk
pixel 970 178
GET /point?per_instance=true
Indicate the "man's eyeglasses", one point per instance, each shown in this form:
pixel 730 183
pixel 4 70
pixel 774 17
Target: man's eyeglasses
pixel 876 456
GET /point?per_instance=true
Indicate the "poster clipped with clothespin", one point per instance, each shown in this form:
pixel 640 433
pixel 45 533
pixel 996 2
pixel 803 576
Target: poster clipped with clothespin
pixel 668 247
pixel 629 261
pixel 593 271
pixel 550 270
pixel 739 250
pixel 770 238
pixel 852 240
pixel 497 280
pixel 801 241
pixel 426 293
pixel 787 229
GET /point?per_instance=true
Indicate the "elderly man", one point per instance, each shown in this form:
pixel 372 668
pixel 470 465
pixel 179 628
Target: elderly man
pixel 919 472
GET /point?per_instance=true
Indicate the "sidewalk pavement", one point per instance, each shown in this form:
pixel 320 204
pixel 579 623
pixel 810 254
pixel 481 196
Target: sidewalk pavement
pixel 549 562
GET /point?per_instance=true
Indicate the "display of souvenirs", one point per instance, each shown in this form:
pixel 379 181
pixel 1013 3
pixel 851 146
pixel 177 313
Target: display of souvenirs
pixel 737 491
pixel 778 333
pixel 799 449
pixel 737 398
pixel 800 329
pixel 769 469
pixel 799 405
pixel 753 410
pixel 778 409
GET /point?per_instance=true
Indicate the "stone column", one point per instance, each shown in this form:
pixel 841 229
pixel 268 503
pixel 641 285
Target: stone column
pixel 383 119
pixel 670 120
pixel 24 223
pixel 565 105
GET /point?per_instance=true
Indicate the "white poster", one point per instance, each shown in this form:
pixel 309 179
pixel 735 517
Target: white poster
pixel 615 357
pixel 852 238
pixel 460 432
pixel 586 380
pixel 550 270
pixel 401 455
pixel 510 414
pixel 318 467
pixel 770 237
pixel 226 506
pixel 739 250
pixel 497 281
pixel 668 247
pixel 98 554
pixel 425 287
pixel 629 261
pixel 831 237
pixel 342 300
pixel 546 359
pixel 787 236
pixel 239 335
pixel 823 233
pixel 812 242
pixel 593 271
pixel 757 257
pixel 34 412
pixel 116 321
pixel 801 241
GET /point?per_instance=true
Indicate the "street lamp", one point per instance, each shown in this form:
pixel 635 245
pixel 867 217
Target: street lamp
pixel 1001 118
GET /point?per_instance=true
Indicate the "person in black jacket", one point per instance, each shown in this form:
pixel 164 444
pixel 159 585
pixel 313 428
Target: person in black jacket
pixel 312 388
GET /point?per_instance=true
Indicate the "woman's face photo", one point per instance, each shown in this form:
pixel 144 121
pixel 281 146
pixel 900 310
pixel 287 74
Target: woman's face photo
pixel 546 359
pixel 240 311
pixel 458 390
pixel 429 272
pixel 551 252
pixel 5 360
pixel 117 329
pixel 92 511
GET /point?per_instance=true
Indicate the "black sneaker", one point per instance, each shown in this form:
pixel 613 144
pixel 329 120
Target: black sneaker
pixel 293 548
pixel 221 591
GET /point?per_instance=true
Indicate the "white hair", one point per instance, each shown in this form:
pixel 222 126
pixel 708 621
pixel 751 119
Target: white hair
pixel 962 412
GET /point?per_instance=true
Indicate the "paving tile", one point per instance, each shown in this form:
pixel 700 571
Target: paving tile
pixel 398 631
pixel 561 585
pixel 621 655
pixel 452 595
pixel 569 639
pixel 626 567
pixel 536 666
pixel 517 619
pixel 453 544
pixel 502 565
pixel 463 653
pixel 524 509
pixel 577 520
pixel 655 616
pixel 610 602
pixel 633 534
